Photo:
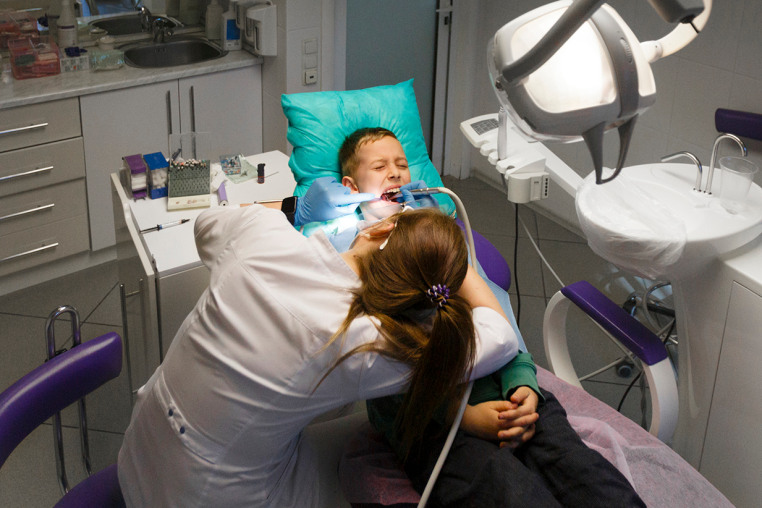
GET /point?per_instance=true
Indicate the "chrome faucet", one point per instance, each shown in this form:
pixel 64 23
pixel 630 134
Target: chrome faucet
pixel 145 18
pixel 689 155
pixel 712 162
pixel 161 30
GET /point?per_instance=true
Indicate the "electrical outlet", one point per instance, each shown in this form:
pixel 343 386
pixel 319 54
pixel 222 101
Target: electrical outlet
pixel 310 76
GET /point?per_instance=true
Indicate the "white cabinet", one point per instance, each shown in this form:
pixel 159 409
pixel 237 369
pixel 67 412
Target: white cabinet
pixel 732 451
pixel 161 271
pixel 224 107
pixel 43 210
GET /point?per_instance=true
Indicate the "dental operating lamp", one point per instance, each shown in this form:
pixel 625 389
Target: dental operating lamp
pixel 572 70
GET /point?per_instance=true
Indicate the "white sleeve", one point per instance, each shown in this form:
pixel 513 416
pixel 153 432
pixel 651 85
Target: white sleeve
pixel 216 227
pixel 496 342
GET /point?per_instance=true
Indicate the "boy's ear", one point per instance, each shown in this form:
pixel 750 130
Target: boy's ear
pixel 348 181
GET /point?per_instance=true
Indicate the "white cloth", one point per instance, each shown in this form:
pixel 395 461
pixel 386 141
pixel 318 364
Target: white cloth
pixel 219 423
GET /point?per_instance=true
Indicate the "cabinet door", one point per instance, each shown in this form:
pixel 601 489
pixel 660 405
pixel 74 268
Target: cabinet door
pixel 224 110
pixel 116 124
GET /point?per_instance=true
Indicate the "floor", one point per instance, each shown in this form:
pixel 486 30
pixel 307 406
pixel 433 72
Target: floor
pixel 28 479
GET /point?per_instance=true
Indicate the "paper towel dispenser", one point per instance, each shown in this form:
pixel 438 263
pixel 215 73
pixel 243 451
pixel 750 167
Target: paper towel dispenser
pixel 261 31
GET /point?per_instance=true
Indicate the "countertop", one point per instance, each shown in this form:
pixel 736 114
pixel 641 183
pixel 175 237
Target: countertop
pixel 74 84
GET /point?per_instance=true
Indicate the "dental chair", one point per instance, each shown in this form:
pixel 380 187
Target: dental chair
pixel 369 474
pixel 50 388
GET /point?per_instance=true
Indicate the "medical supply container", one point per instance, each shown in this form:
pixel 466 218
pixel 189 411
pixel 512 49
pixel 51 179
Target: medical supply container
pixel 67 26
pixel 34 57
pixel 230 33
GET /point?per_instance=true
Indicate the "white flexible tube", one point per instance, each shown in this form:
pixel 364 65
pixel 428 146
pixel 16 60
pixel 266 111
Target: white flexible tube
pixel 462 408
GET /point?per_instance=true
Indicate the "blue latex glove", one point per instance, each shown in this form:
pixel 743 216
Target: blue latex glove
pixel 417 200
pixel 327 199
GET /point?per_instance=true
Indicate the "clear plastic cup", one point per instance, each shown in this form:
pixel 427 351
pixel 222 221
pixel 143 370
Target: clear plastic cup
pixel 737 175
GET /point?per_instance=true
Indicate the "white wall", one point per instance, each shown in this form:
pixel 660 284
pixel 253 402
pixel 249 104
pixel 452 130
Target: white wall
pixel 298 21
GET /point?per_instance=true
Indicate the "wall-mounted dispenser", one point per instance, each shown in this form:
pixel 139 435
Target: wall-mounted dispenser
pixel 261 33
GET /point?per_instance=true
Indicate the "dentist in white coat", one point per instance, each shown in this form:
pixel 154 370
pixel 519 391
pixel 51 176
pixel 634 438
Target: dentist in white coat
pixel 289 329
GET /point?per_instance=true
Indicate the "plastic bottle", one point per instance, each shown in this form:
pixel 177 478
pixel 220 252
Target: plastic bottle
pixel 213 17
pixel 53 12
pixel 230 33
pixel 67 26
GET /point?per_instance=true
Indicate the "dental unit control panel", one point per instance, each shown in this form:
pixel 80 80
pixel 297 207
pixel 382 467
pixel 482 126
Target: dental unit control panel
pixel 521 165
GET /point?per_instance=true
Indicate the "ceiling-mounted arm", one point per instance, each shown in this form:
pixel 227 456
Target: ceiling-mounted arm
pixel 678 38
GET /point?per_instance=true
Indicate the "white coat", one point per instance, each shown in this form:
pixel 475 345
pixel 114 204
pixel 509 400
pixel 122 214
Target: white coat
pixel 219 423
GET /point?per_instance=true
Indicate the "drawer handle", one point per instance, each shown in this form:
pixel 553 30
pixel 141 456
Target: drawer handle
pixel 26 173
pixel 38 249
pixel 31 210
pixel 22 129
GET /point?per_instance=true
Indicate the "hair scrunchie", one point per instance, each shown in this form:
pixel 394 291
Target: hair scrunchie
pixel 438 294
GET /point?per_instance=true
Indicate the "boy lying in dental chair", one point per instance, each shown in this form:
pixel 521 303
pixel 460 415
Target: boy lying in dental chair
pixel 515 445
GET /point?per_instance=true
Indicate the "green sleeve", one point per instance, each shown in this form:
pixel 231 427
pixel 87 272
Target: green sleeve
pixel 520 371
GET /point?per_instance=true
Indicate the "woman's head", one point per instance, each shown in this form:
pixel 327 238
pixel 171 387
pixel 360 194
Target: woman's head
pixel 411 287
pixel 372 160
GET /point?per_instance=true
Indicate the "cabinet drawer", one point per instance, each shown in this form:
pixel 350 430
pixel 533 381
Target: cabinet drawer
pixel 43 244
pixel 39 123
pixel 40 166
pixel 26 210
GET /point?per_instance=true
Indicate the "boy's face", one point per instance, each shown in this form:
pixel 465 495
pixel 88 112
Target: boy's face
pixel 381 169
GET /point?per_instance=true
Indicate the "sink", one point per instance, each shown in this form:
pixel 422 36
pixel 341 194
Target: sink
pixel 127 24
pixel 171 53
pixel 650 221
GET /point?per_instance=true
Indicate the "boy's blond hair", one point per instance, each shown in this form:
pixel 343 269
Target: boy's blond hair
pixel 348 151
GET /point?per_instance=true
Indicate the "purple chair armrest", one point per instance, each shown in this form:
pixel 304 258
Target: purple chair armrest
pixel 740 123
pixel 629 331
pixel 101 489
pixel 55 385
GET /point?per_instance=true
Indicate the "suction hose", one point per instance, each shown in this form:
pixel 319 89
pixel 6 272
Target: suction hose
pixel 462 408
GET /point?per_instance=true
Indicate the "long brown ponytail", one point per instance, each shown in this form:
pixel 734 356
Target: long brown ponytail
pixel 429 330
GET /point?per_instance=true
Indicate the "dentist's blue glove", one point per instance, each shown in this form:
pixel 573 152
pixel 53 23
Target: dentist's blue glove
pixel 327 199
pixel 417 200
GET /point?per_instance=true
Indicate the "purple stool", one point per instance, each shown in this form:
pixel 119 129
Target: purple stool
pixel 50 388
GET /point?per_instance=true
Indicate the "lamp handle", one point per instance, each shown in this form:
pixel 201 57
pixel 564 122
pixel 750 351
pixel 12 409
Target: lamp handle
pixel 678 38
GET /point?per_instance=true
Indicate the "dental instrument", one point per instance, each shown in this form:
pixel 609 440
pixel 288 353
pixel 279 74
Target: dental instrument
pixel 166 225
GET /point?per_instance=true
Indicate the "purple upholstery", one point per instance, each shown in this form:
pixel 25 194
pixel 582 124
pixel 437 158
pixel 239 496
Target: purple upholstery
pixel 629 331
pixel 740 123
pixel 98 490
pixel 492 261
pixel 371 477
pixel 51 387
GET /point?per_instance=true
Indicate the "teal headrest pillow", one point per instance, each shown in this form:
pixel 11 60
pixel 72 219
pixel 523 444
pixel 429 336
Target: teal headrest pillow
pixel 318 123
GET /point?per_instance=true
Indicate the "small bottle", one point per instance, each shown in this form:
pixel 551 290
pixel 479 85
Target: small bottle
pixel 67 26
pixel 213 17
pixel 230 33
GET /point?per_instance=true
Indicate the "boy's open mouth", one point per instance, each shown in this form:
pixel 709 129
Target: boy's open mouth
pixel 390 194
